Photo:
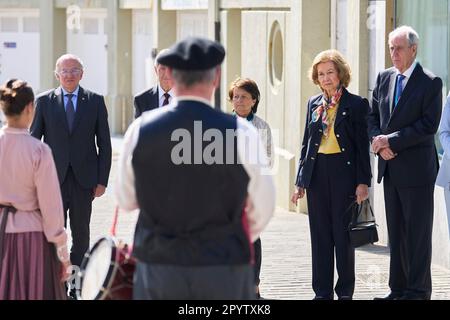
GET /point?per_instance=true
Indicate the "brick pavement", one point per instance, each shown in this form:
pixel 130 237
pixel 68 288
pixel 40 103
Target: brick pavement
pixel 286 266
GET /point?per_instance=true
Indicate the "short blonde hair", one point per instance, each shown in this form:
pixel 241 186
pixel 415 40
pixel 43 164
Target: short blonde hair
pixel 342 67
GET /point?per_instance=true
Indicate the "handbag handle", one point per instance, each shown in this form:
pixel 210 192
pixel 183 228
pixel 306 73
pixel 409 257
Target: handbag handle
pixel 360 209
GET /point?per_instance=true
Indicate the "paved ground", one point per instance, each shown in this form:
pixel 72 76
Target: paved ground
pixel 286 266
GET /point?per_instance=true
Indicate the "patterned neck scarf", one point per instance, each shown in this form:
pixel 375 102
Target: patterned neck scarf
pixel 322 111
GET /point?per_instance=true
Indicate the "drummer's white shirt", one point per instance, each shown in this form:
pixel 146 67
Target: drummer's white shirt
pixel 261 188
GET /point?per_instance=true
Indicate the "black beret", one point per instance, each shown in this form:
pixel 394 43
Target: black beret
pixel 193 53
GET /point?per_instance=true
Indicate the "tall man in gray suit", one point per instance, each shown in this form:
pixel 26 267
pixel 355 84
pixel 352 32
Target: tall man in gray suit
pixel 406 109
pixel 74 123
pixel 157 96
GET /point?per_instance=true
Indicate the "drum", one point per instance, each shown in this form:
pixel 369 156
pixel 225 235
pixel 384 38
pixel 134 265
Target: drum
pixel 107 271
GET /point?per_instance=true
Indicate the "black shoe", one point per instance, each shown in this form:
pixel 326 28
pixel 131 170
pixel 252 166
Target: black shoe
pixel 411 296
pixel 322 298
pixel 258 294
pixel 345 298
pixel 390 296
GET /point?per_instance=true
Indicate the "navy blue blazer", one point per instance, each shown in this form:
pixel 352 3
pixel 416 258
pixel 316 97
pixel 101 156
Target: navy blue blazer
pixel 79 148
pixel 145 101
pixel 411 126
pixel 350 128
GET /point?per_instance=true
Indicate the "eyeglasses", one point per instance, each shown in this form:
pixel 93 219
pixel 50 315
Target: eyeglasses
pixel 65 73
pixel 243 97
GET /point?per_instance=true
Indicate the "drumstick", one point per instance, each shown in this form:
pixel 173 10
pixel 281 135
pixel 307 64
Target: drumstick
pixel 114 225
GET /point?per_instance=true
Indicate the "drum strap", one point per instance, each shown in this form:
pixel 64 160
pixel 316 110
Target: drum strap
pixel 5 210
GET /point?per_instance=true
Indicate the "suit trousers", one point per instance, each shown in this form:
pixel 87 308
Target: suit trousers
pixel 77 202
pixel 169 282
pixel 409 217
pixel 330 193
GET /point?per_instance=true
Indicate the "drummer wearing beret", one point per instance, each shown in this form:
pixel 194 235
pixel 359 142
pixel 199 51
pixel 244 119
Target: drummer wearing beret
pixel 202 201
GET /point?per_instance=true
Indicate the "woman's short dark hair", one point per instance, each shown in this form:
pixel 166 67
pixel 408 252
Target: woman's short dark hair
pixel 15 95
pixel 339 62
pixel 248 85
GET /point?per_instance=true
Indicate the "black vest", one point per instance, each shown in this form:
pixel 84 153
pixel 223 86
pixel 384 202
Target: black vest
pixel 191 214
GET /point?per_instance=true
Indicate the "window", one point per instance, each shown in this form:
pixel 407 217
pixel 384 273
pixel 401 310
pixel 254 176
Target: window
pixel 431 19
pixel 8 24
pixel 276 56
pixel 90 26
pixel 31 24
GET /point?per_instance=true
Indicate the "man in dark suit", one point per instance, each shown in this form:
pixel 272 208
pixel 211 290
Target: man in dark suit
pixel 158 96
pixel 74 123
pixel 406 108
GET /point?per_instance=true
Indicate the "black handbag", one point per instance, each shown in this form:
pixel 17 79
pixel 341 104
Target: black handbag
pixel 362 229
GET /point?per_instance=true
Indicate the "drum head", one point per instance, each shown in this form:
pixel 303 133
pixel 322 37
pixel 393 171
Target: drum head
pixel 97 269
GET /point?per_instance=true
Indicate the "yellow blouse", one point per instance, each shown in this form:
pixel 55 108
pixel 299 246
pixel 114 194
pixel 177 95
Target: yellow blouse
pixel 330 145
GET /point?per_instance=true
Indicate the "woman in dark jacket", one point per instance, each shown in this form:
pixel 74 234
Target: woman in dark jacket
pixel 334 170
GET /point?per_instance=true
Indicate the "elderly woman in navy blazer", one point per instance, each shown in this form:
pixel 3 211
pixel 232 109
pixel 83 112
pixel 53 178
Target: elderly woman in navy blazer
pixel 334 171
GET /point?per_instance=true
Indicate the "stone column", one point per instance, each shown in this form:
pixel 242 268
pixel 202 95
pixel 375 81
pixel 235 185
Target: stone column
pixel 52 41
pixel 358 46
pixel 213 19
pixel 119 99
pixel 230 31
pixel 390 26
pixel 309 33
pixel 164 27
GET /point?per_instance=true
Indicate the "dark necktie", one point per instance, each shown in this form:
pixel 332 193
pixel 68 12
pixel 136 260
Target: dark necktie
pixel 70 111
pixel 166 99
pixel 398 88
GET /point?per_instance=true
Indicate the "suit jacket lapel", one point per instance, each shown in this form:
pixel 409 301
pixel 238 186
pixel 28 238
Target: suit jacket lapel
pixel 315 125
pixel 60 110
pixel 155 98
pixel 392 91
pixel 81 108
